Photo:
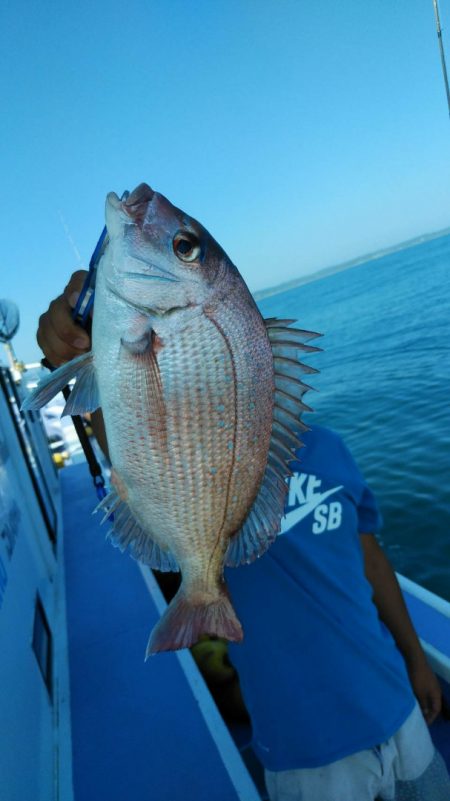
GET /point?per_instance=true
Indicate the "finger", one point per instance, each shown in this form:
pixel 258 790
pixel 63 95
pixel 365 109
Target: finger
pixel 57 350
pixel 59 319
pixel 74 287
pixel 431 708
pixel 52 356
pixel 55 354
pixel 69 342
pixel 429 716
pixel 435 706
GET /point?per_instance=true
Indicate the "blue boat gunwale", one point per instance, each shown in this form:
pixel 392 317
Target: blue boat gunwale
pixel 431 617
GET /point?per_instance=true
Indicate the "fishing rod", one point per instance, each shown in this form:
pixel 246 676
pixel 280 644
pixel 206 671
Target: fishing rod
pixel 441 50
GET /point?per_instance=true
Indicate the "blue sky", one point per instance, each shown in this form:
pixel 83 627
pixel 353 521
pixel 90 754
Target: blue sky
pixel 300 134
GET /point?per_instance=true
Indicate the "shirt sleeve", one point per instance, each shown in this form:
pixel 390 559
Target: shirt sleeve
pixel 369 515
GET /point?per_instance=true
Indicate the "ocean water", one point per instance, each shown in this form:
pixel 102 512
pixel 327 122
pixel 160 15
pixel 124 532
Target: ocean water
pixel 384 385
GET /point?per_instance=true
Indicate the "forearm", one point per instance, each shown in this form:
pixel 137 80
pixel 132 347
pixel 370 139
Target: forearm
pixel 388 599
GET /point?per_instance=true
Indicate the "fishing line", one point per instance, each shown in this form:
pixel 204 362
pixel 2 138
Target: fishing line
pixel 70 239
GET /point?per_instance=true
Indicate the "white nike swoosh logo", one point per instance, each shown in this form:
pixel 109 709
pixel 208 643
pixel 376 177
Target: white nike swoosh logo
pixel 294 517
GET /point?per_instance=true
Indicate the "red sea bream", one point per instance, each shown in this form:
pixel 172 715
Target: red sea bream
pixel 201 400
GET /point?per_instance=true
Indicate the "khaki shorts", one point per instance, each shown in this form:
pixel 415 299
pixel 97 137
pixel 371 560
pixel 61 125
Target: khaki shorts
pixel 405 768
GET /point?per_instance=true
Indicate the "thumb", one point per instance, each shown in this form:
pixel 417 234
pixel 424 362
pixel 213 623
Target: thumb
pixel 74 287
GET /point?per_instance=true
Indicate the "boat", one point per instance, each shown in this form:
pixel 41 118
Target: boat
pixel 83 716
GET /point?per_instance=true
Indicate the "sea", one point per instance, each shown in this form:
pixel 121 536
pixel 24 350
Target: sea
pixel 384 386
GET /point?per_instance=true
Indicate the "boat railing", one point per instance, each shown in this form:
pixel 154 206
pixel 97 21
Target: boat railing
pixel 431 617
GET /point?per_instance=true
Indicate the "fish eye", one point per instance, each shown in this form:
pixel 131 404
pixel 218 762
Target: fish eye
pixel 186 246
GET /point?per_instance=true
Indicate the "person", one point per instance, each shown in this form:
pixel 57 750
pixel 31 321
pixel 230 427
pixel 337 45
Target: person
pixel 335 680
pixel 332 672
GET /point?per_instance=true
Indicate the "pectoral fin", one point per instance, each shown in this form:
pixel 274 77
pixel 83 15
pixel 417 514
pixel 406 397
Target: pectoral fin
pixel 84 396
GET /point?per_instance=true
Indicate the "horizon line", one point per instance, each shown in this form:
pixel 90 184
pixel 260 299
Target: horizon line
pixel 277 289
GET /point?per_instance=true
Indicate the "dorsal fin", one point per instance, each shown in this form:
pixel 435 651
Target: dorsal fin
pixel 264 520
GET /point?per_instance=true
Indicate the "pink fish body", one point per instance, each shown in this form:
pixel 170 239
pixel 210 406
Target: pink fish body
pixel 201 401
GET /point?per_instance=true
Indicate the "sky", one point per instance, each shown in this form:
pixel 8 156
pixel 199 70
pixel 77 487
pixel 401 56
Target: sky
pixel 301 134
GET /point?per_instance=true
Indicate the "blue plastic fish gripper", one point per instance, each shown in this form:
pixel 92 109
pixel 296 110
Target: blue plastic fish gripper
pixel 86 299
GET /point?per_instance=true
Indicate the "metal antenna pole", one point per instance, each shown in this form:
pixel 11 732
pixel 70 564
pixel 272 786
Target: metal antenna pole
pixel 441 50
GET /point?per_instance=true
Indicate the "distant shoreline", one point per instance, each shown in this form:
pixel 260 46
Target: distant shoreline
pixel 337 268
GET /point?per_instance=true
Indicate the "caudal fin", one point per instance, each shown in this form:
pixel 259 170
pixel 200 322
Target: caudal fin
pixel 184 621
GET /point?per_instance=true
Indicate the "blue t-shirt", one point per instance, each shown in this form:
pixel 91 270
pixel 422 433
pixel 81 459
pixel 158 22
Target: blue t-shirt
pixel 320 673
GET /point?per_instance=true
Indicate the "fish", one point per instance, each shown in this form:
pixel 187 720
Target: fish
pixel 202 401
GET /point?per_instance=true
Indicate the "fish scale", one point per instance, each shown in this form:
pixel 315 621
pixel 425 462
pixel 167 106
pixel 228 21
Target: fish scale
pixel 201 400
pixel 196 439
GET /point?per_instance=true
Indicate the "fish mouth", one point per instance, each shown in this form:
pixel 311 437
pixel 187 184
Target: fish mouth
pixel 142 194
pixel 133 204
pixel 114 201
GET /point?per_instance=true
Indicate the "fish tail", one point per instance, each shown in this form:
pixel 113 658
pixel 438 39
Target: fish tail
pixel 187 618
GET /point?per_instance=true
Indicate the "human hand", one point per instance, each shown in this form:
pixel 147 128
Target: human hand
pixel 426 689
pixel 58 336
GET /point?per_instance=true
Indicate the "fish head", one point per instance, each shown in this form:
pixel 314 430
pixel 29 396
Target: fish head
pixel 159 257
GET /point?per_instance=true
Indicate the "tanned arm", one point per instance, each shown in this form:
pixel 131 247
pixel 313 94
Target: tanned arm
pixel 388 598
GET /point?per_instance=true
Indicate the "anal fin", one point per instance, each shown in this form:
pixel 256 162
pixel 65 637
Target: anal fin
pixel 127 534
